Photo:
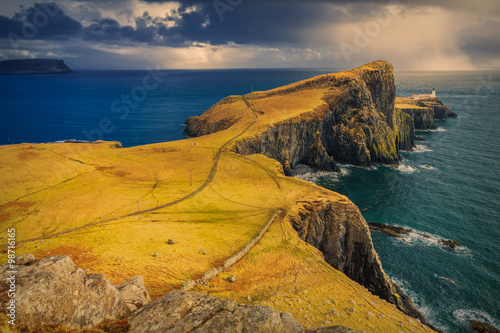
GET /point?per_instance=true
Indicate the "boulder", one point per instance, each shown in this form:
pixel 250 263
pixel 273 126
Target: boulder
pixel 53 291
pixel 182 311
pixel 134 294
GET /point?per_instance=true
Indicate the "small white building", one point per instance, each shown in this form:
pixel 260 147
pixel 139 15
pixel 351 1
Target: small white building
pixel 424 96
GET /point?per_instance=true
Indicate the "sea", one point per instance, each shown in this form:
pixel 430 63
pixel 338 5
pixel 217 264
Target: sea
pixel 448 187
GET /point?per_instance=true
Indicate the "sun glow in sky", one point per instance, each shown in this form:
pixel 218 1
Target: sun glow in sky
pixel 133 34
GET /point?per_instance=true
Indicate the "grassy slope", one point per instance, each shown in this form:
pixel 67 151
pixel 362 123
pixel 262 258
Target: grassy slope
pixel 48 188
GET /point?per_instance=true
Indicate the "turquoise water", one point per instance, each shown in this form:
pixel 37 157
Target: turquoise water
pixel 456 197
pixel 448 188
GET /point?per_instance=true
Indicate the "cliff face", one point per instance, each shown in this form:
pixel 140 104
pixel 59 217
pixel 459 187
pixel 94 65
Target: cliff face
pixel 290 142
pixel 339 231
pixel 423 117
pixel 405 130
pixel 34 66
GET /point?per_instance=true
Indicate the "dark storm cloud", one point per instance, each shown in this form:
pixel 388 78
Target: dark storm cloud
pixel 110 30
pixel 480 41
pixel 43 21
pixel 276 24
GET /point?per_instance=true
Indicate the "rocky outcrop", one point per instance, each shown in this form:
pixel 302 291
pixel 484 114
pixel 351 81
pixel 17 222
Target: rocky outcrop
pixel 54 291
pixel 34 66
pixel 439 110
pixel 481 327
pixel 390 230
pixel 181 311
pixel 339 231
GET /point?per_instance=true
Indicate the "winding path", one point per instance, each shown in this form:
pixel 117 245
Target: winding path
pixel 192 194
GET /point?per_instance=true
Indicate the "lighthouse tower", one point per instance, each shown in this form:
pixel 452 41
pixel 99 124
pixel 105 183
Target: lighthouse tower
pixel 433 92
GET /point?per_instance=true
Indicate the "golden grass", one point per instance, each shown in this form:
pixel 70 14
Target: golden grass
pixel 289 275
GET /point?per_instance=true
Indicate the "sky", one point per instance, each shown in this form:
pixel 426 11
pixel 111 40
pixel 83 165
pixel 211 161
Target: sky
pixel 204 34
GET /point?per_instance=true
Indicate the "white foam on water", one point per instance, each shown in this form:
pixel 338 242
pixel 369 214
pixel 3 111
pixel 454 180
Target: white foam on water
pixel 464 316
pixel 428 167
pixel 309 174
pixel 417 300
pixel 421 149
pixel 404 168
pixel 423 238
pixel 439 129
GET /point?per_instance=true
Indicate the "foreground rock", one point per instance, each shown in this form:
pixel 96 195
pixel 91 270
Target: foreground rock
pixel 34 66
pixel 181 311
pixel 54 291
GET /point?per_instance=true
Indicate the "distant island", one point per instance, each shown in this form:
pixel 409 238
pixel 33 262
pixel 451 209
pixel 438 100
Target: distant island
pixel 34 66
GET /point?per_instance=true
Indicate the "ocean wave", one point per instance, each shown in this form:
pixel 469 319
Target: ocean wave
pixel 73 141
pixel 418 301
pixel 309 174
pixel 421 149
pixel 404 168
pixel 439 129
pixel 348 166
pixel 466 315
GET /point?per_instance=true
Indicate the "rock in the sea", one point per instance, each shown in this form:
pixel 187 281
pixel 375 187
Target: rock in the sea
pixel 54 291
pixel 483 327
pixel 451 243
pixel 34 66
pixel 390 230
pixel 181 311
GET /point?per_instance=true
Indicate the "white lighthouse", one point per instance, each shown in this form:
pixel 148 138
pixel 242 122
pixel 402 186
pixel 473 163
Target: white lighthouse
pixel 433 92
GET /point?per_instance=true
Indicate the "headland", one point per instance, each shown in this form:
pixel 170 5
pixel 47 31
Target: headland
pixel 171 212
